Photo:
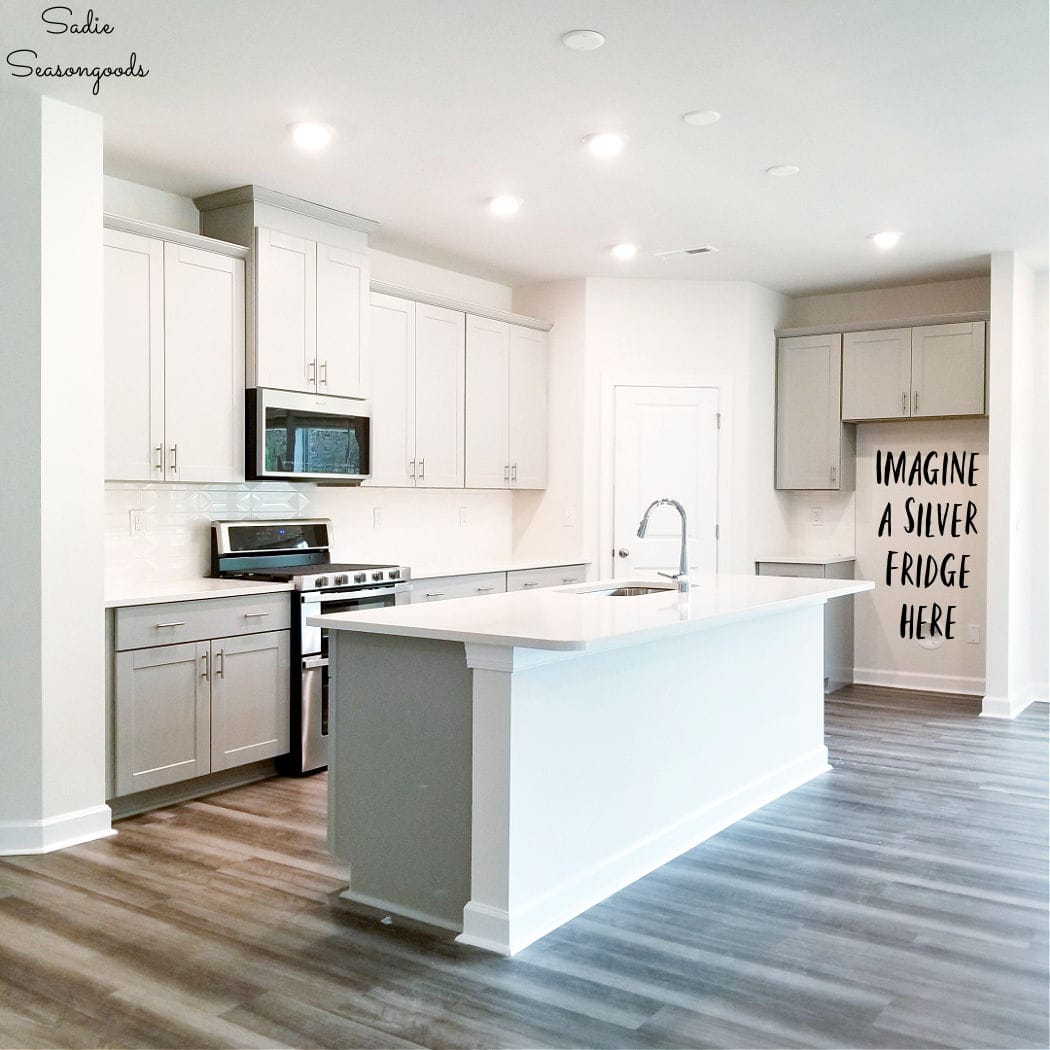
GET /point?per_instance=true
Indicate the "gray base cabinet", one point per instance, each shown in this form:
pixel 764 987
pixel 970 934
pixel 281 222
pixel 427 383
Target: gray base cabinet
pixel 188 708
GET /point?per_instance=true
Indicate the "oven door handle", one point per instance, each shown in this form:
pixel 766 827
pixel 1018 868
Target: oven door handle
pixel 310 663
pixel 350 596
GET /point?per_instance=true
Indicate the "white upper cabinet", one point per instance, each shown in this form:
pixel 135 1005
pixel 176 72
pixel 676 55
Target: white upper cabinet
pixel 203 365
pixel 487 404
pixel 528 408
pixel 174 333
pixel 813 449
pixel 876 374
pixel 417 394
pixel 310 317
pixel 134 339
pixel 935 370
pixel 506 405
pixel 439 397
pixel 948 369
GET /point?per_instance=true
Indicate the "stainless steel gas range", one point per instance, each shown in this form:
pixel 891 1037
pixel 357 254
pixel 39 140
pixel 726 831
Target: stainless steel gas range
pixel 299 551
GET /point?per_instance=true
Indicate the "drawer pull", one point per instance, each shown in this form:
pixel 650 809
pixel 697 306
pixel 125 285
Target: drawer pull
pixel 529 583
pixel 569 579
pixel 435 594
pixel 484 590
pixel 221 668
pixel 249 614
pixel 172 623
pixel 204 673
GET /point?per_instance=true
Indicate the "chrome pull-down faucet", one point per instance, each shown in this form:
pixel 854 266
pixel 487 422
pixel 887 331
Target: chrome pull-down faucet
pixel 682 576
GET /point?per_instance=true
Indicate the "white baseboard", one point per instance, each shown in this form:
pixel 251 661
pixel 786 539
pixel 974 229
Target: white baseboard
pixel 19 837
pixel 1005 706
pixel 510 931
pixel 925 683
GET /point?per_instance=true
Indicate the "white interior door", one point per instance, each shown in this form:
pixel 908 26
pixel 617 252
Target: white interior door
pixel 666 446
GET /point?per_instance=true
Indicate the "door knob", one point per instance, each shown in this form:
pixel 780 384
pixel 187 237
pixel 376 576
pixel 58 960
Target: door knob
pixel 623 552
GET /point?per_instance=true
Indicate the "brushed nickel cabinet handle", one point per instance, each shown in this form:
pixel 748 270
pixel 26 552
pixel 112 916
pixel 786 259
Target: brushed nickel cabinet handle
pixel 435 594
pixel 834 470
pixel 528 584
pixel 422 469
pixel 506 472
pixel 204 673
pixel 412 468
pixel 514 472
pixel 174 458
pixel 904 402
pixel 221 664
pixel 324 373
pixel 159 449
pixel 484 590
pixel 311 372
pixel 247 614
pixel 171 623
pixel 916 398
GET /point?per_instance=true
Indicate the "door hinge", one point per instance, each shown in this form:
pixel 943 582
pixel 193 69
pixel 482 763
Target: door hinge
pixel 716 531
pixel 718 421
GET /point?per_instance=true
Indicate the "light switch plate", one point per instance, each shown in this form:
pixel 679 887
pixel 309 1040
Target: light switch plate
pixel 816 515
pixel 377 517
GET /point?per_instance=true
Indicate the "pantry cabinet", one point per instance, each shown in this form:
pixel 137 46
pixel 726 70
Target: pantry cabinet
pixel 926 371
pixel 199 687
pixel 417 394
pixel 174 358
pixel 506 405
pixel 311 318
pixel 813 449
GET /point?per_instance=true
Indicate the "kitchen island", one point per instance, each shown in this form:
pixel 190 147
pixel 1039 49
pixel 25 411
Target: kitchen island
pixel 502 763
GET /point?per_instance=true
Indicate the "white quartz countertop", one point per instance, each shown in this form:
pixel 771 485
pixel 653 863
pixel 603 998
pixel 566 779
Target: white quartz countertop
pixel 430 570
pixel 580 617
pixel 123 594
pixel 808 559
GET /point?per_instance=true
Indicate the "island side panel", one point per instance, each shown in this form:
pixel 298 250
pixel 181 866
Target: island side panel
pixel 614 762
pixel 400 779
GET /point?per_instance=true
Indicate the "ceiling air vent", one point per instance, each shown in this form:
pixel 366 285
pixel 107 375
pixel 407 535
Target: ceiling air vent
pixel 704 249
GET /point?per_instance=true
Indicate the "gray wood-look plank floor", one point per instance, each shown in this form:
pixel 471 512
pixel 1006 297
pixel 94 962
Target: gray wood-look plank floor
pixel 898 901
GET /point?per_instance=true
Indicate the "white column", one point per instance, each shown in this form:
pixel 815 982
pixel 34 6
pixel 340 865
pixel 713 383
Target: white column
pixel 1011 495
pixel 52 642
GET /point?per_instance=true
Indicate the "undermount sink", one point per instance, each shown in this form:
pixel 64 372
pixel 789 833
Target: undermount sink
pixel 630 590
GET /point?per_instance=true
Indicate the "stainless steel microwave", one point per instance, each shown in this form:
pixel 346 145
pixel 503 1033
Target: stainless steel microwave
pixel 306 437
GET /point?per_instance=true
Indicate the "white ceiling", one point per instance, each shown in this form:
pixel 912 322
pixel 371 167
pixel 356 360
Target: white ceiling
pixel 925 116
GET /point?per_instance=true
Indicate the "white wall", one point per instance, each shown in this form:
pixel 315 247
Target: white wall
pixel 52 648
pixel 422 277
pixel 881 655
pixel 134 201
pixel 1040 484
pixel 886 304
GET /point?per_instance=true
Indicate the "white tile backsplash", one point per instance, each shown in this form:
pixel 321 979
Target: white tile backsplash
pixel 415 525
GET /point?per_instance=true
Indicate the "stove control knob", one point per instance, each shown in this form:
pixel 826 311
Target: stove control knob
pixel 378 575
pixel 360 577
pixel 395 574
pixel 321 581
pixel 341 581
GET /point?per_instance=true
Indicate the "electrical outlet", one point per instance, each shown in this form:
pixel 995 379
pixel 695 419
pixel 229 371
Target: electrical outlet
pixel 377 517
pixel 463 515
pixel 816 515
pixel 568 517
pixel 974 634
pixel 136 522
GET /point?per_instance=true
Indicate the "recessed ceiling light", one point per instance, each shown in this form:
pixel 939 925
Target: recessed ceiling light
pixel 885 240
pixel 624 251
pixel 701 118
pixel 783 170
pixel 311 135
pixel 605 143
pixel 583 39
pixel 504 205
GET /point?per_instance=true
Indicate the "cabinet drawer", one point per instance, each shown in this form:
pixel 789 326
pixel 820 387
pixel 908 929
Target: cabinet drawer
pixel 787 568
pixel 139 626
pixel 551 576
pixel 440 588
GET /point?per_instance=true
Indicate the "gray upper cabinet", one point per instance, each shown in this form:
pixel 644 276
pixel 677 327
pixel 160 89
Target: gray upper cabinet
pixel 813 449
pixel 911 373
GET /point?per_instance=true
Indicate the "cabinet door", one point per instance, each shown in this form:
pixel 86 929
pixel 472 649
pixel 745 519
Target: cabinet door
pixel 285 311
pixel 342 322
pixel 948 369
pixel 528 408
pixel 876 374
pixel 161 716
pixel 809 430
pixel 134 372
pixel 439 397
pixel 392 349
pixel 203 365
pixel 250 698
pixel 487 401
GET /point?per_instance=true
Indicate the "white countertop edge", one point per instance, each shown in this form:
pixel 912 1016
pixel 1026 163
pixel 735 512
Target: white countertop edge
pixel 373 622
pixel 121 596
pixel 808 559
